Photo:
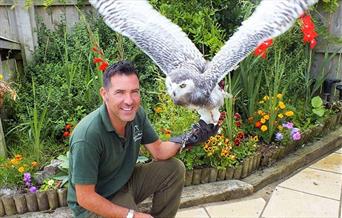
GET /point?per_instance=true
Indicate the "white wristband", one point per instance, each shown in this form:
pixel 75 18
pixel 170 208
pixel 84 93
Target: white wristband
pixel 130 213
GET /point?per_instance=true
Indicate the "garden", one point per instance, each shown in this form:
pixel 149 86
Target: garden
pixel 278 104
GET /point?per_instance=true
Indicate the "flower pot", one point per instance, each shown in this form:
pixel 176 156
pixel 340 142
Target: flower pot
pixel 9 205
pixel 196 177
pixel 62 196
pixel 213 174
pixel 264 160
pixel 245 166
pixel 221 174
pixel 237 172
pixel 42 200
pixel 205 175
pixel 229 173
pixel 31 201
pixel 281 152
pixel 2 209
pixel 188 177
pixel 52 199
pixel 329 123
pixel 317 130
pixel 20 203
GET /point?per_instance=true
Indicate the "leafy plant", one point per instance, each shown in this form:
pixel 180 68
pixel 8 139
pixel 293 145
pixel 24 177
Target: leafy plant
pixel 317 106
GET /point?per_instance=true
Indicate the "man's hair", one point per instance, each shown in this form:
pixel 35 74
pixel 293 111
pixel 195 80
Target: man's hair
pixel 119 68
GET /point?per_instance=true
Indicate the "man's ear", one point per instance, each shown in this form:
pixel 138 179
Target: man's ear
pixel 103 93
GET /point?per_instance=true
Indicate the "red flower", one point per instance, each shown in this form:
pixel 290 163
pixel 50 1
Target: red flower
pixel 237 116
pixel 237 141
pixel 66 134
pixel 262 48
pixel 240 135
pixel 103 66
pixel 98 60
pixel 238 123
pixel 308 29
pixel 67 127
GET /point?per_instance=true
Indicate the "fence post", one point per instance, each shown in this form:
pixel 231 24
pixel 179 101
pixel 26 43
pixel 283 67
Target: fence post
pixel 26 25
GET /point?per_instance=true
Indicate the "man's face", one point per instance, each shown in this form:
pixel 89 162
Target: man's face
pixel 122 98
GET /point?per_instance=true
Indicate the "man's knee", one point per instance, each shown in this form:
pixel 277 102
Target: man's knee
pixel 173 166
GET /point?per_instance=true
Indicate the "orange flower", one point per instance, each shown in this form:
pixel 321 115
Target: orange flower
pixel 263 128
pixel 21 169
pixel 18 157
pixel 158 109
pixel 68 126
pixel 66 134
pixel 34 164
pixel 258 124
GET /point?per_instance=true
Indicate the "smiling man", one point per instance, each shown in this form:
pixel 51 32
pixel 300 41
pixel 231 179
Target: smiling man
pixel 104 180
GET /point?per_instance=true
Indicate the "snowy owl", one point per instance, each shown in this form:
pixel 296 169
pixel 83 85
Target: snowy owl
pixel 192 81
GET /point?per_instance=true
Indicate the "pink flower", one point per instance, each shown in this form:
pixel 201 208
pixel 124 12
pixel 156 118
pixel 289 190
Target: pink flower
pixel 296 136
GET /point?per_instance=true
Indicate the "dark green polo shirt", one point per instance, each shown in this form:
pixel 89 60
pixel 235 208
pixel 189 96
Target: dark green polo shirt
pixel 98 155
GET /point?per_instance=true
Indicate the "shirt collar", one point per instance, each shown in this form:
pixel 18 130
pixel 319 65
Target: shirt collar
pixel 106 120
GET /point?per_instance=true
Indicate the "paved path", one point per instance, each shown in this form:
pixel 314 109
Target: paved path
pixel 315 191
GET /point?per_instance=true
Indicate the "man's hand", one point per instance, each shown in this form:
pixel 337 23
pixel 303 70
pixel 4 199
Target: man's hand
pixel 199 133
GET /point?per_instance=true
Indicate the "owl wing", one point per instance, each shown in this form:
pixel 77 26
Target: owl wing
pixel 163 41
pixel 270 19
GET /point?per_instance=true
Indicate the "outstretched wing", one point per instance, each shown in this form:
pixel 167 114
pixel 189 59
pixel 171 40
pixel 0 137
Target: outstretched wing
pixel 158 37
pixel 270 19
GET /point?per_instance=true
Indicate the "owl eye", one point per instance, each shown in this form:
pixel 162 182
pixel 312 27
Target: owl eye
pixel 183 85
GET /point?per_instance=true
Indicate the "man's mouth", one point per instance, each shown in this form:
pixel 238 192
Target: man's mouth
pixel 127 109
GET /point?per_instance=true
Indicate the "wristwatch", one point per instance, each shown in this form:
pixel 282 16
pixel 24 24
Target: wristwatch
pixel 130 213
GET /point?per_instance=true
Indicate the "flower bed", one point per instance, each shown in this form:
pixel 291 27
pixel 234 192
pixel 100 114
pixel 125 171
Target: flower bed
pixel 52 198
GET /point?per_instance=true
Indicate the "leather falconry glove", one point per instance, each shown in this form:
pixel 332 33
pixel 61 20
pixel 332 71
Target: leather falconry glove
pixel 199 133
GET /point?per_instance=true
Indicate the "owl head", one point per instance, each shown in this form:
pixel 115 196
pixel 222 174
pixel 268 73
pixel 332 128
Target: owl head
pixel 180 87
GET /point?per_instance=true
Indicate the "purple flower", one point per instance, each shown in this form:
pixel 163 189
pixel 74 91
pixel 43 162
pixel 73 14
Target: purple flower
pixel 294 130
pixel 33 189
pixel 279 136
pixel 288 125
pixel 27 177
pixel 296 136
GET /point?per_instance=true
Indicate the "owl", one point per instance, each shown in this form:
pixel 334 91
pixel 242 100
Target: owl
pixel 191 80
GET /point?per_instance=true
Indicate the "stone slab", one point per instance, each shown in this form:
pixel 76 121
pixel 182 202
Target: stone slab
pixel 289 203
pixel 317 182
pixel 197 212
pixel 244 209
pixel 331 163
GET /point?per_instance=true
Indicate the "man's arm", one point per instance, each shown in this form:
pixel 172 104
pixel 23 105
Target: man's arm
pixel 90 200
pixel 162 150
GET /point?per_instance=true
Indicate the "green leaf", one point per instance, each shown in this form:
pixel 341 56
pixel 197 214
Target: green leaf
pixel 319 112
pixel 316 102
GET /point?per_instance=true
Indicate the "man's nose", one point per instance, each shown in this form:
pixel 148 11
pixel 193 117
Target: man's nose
pixel 128 99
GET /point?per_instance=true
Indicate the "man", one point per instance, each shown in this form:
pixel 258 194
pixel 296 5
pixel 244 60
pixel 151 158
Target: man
pixel 103 178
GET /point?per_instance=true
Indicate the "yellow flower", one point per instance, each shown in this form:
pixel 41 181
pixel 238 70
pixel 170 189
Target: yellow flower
pixel 289 113
pixel 261 102
pixel 281 105
pixel 262 120
pixel 21 169
pixel 280 116
pixel 232 157
pixel 280 127
pixel 256 138
pixel 14 161
pixel 260 112
pixel 1 76
pixel 267 117
pixel 280 96
pixel 158 109
pixel 263 128
pixel 265 98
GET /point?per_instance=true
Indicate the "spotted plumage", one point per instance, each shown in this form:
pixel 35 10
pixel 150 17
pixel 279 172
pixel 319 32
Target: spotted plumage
pixel 192 81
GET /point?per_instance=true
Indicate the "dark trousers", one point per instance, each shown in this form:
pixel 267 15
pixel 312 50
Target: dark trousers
pixel 162 179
